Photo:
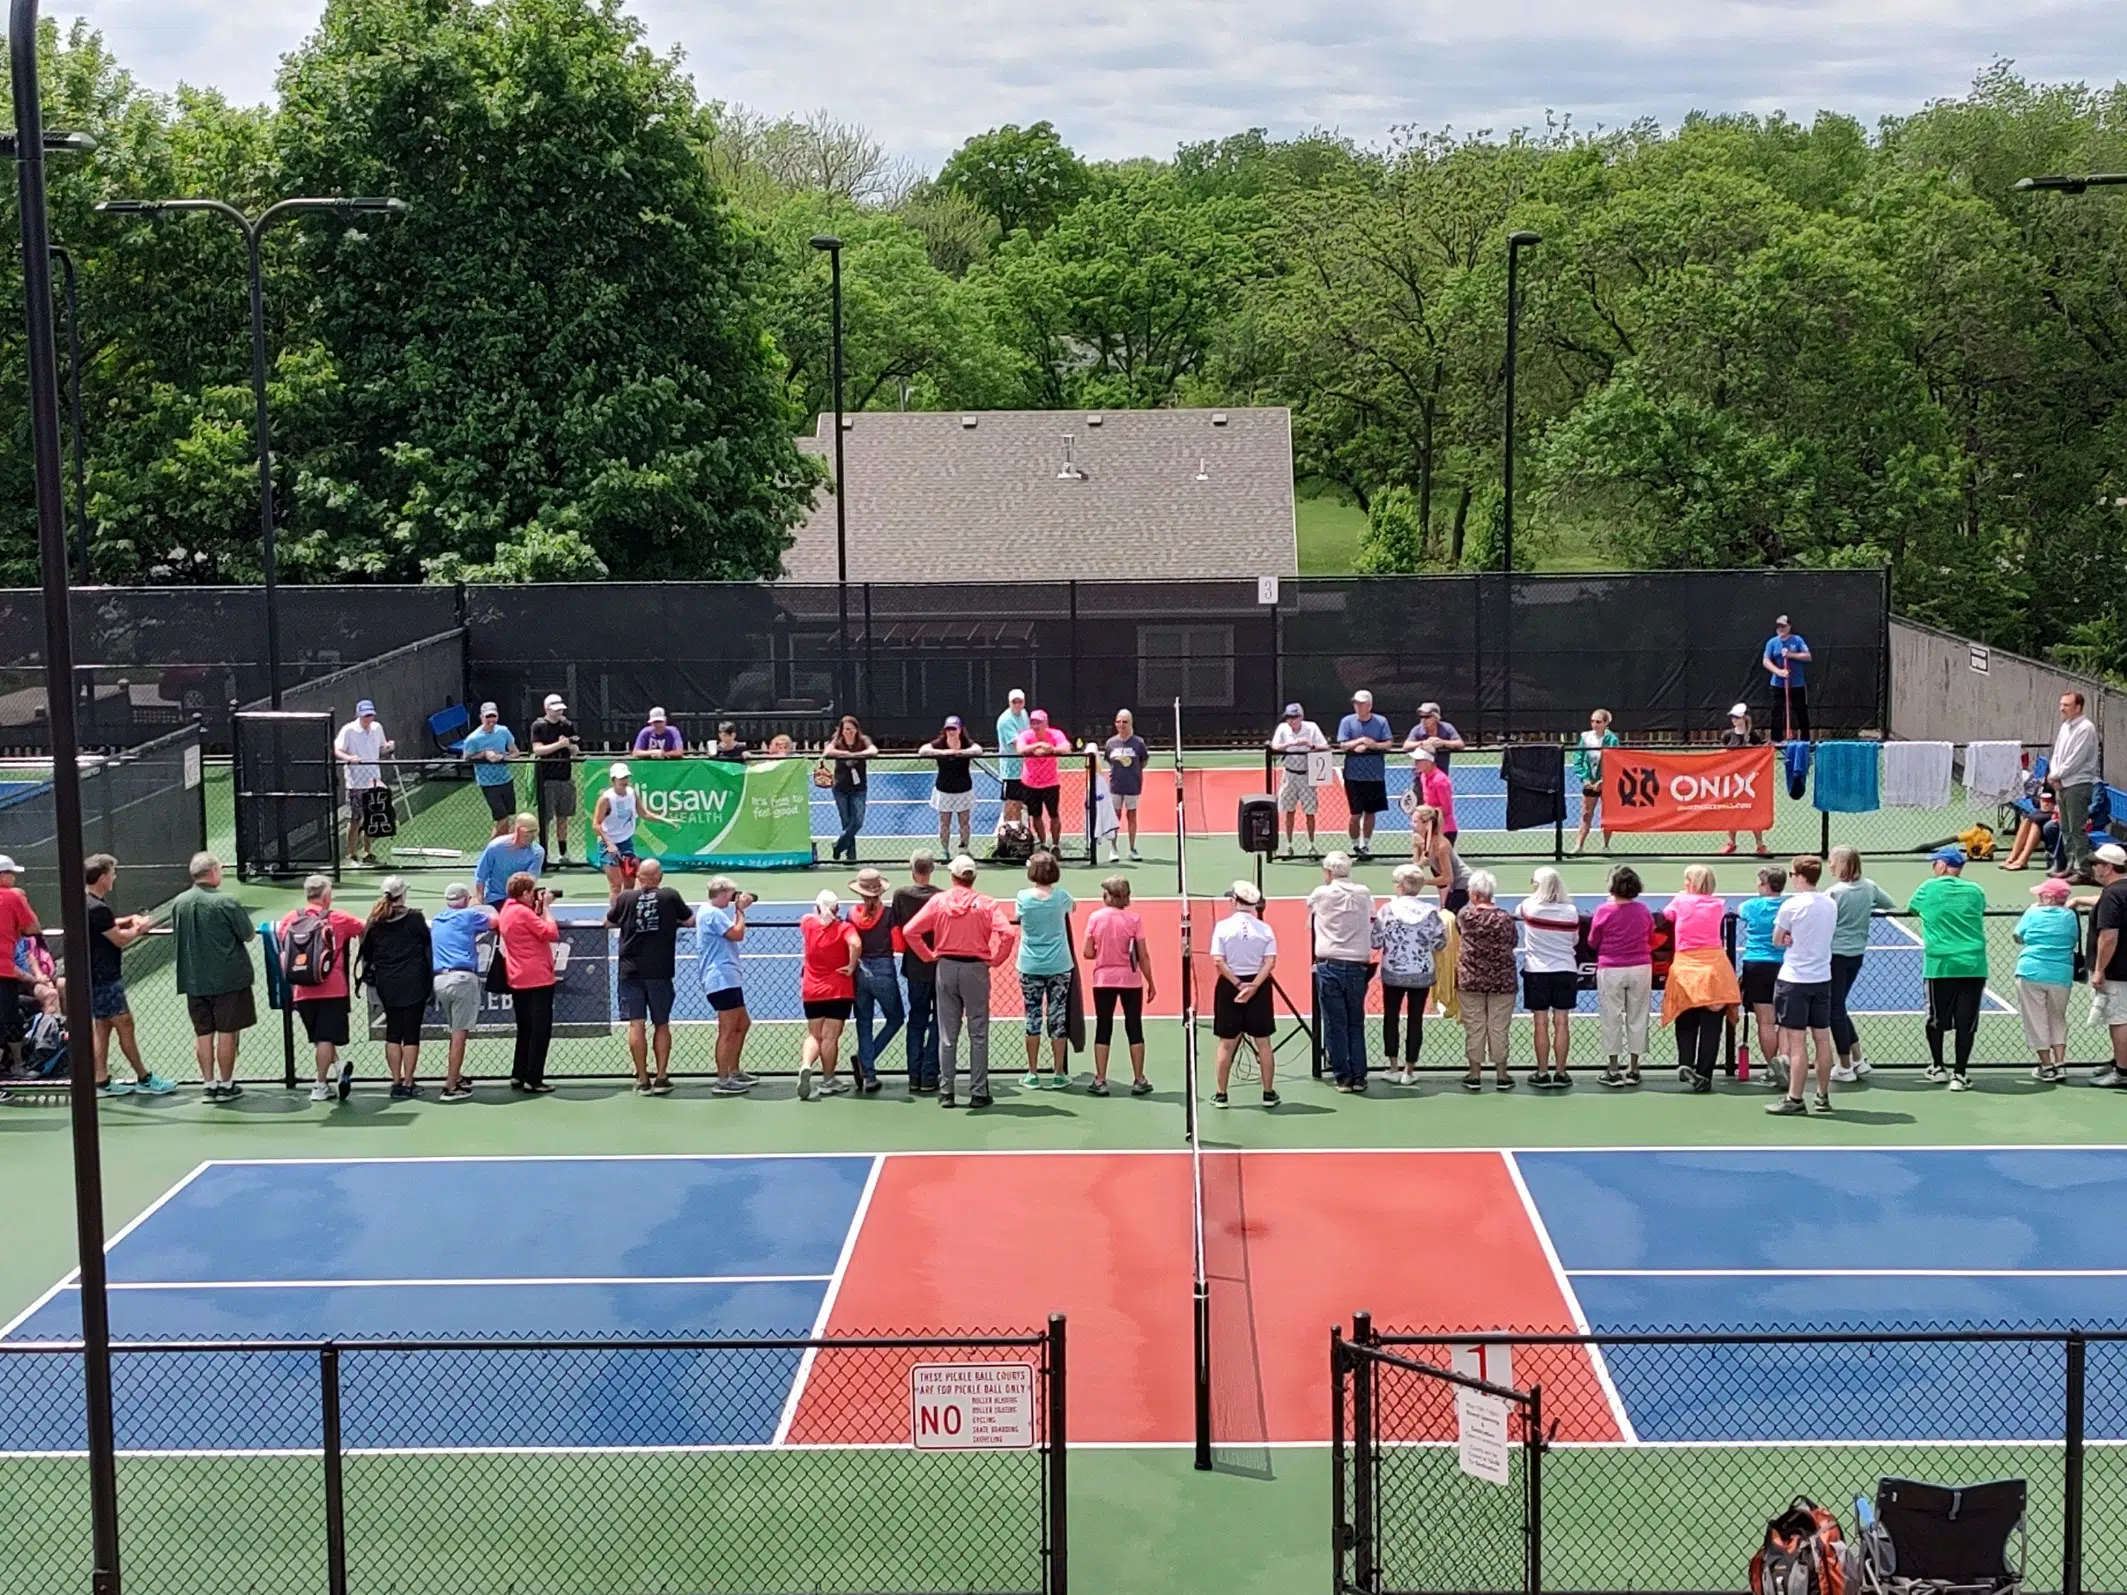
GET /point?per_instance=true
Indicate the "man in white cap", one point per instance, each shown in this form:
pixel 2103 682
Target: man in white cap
pixel 1365 737
pixel 490 746
pixel 2108 955
pixel 554 748
pixel 454 954
pixel 1296 741
pixel 1244 952
pixel 659 739
pixel 613 819
pixel 358 748
pixel 1011 725
pixel 1786 658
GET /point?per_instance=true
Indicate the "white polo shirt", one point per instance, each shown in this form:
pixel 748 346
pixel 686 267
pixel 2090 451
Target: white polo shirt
pixel 368 748
pixel 1243 942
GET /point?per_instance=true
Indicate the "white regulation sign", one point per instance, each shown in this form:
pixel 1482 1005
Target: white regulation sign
pixel 1481 1434
pixel 958 1406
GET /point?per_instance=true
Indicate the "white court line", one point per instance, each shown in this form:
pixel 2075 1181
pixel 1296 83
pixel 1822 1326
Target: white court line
pixel 72 1278
pixel 1850 1273
pixel 1572 1301
pixel 423 1284
pixel 827 1302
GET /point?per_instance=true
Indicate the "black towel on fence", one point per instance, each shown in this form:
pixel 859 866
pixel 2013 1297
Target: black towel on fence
pixel 1536 786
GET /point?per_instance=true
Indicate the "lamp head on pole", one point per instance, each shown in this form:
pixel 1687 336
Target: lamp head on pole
pixel 55 143
pixel 1522 238
pixel 128 207
pixel 2069 184
pixel 828 242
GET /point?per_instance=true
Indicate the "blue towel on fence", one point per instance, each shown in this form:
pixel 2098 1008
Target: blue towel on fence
pixel 1847 777
pixel 1795 757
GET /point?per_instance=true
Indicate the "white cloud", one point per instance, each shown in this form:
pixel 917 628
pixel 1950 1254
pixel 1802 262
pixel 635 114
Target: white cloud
pixel 1127 77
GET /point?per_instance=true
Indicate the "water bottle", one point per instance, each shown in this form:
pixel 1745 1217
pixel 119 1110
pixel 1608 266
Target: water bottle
pixel 1743 1061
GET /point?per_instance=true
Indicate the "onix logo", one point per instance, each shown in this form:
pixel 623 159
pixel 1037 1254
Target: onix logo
pixel 1638 787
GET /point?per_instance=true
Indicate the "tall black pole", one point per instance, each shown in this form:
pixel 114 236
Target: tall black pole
pixel 1516 242
pixel 76 440
pixel 66 784
pixel 844 696
pixel 269 562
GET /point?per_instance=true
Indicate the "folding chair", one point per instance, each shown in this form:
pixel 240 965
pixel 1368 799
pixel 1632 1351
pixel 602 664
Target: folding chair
pixel 1942 1539
pixel 447 729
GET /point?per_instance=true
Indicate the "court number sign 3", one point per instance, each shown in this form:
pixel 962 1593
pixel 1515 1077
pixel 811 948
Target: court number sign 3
pixel 971 1406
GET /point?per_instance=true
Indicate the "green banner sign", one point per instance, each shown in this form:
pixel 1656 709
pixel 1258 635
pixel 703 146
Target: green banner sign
pixel 709 814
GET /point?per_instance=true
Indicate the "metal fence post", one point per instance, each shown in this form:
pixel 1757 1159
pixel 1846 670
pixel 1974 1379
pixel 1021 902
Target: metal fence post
pixel 1340 1529
pixel 1533 1481
pixel 1363 1512
pixel 1314 1031
pixel 2072 1473
pixel 335 1503
pixel 1059 1447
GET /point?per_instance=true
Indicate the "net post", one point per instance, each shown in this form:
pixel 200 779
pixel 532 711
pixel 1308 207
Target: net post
pixel 1093 807
pixel 335 1484
pixel 1059 1446
pixel 2072 1471
pixel 1314 1031
pixel 1201 1315
pixel 1824 833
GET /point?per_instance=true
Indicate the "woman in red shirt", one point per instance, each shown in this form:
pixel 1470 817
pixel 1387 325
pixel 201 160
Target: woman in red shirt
pixel 828 987
pixel 528 933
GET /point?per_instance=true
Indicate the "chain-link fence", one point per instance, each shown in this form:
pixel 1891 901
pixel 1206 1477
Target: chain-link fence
pixel 1664 1455
pixel 913 1463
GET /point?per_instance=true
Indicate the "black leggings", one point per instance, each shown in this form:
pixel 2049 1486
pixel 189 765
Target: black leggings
pixel 1392 998
pixel 1104 1000
pixel 1953 1005
pixel 1698 1040
pixel 1846 969
pixel 534 1010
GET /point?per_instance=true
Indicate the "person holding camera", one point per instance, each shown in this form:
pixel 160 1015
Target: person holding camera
pixel 528 934
pixel 718 930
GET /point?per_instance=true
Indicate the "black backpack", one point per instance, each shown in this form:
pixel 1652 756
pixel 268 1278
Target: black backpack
pixel 1015 842
pixel 309 953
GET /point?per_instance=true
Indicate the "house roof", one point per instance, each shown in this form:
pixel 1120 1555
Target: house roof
pixel 948 496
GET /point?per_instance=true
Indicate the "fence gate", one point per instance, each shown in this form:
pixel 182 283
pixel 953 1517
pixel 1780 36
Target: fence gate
pixel 288 815
pixel 1436 1475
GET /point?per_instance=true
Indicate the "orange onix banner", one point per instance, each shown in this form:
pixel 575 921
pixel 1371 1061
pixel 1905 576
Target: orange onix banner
pixel 1721 789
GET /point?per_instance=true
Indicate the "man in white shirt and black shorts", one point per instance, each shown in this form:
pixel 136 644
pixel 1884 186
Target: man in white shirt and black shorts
pixel 1296 742
pixel 359 747
pixel 1244 951
pixel 1802 996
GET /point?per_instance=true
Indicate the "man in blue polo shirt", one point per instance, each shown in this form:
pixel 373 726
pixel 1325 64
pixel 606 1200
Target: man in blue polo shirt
pixel 490 746
pixel 1364 736
pixel 1786 658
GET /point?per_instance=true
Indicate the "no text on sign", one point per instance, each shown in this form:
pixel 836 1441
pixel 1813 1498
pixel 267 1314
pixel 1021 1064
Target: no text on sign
pixel 958 1406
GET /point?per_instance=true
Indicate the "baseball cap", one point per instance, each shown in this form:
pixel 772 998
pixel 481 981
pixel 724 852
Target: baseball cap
pixel 8 866
pixel 657 714
pixel 456 895
pixel 869 883
pixel 1293 711
pixel 1422 756
pixel 366 706
pixel 2051 890
pixel 1016 695
pixel 1779 620
pixel 554 701
pixel 1739 711
pixel 487 709
pixel 1425 709
pixel 618 772
pixel 1362 696
pixel 1040 717
pixel 1952 856
pixel 2112 853
pixel 952 723
pixel 962 867
pixel 1244 892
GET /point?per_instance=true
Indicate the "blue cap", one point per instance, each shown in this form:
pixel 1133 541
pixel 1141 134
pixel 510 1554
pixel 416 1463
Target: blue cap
pixel 365 707
pixel 1952 856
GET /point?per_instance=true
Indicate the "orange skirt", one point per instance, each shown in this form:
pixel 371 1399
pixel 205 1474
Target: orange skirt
pixel 1700 978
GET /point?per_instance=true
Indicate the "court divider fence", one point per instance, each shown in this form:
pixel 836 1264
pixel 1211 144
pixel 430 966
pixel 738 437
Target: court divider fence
pixel 1653 1461
pixel 570 1466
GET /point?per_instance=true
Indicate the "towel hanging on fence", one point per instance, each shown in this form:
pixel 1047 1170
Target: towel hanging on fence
pixel 1916 775
pixel 1535 778
pixel 1796 757
pixel 1848 778
pixel 1994 773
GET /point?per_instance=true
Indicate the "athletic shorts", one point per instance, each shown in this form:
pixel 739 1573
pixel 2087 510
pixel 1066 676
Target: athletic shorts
pixel 1543 992
pixel 726 1000
pixel 1041 800
pixel 1015 790
pixel 953 802
pixel 1758 979
pixel 1125 801
pixel 646 999
pixel 2112 1003
pixel 557 799
pixel 108 1001
pixel 501 799
pixel 1803 1007
pixel 1366 797
pixel 324 1020
pixel 458 995
pixel 1231 1017
pixel 1295 791
pixel 223 1014
pixel 1591 793
pixel 402 1026
pixel 618 852
pixel 830 1008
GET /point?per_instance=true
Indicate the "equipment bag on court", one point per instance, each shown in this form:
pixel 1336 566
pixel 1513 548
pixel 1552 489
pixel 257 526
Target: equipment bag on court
pixel 308 954
pixel 1015 842
pixel 1804 1554
pixel 379 818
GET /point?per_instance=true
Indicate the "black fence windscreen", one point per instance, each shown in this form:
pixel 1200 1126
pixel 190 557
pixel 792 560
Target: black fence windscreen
pixel 288 809
pixel 146 807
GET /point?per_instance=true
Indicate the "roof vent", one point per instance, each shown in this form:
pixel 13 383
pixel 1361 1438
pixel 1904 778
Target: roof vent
pixel 849 423
pixel 1093 419
pixel 1069 471
pixel 1202 475
pixel 1218 417
pixel 968 422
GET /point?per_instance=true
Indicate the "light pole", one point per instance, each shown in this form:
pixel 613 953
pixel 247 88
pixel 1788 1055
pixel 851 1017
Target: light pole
pixel 28 152
pixel 833 246
pixel 2069 185
pixel 254 230
pixel 1516 243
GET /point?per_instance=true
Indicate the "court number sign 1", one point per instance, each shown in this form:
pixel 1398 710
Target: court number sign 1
pixel 971 1406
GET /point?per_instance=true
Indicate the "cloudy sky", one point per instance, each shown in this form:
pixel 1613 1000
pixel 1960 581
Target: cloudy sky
pixel 1126 77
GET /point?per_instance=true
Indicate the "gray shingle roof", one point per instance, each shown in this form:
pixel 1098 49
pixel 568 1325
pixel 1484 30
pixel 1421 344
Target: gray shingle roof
pixel 934 499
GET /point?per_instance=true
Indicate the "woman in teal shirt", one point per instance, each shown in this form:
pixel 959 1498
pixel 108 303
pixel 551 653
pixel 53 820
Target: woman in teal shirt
pixel 1857 898
pixel 1045 969
pixel 1761 959
pixel 2047 936
pixel 1588 771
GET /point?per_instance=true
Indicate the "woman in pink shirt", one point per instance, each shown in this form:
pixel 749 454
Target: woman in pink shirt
pixel 1622 938
pixel 527 932
pixel 1702 991
pixel 1435 789
pixel 1122 974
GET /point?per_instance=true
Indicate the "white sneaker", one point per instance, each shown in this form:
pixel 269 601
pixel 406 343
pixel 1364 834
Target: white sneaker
pixel 1862 1066
pixel 1959 1083
pixel 838 1086
pixel 1845 1073
pixel 805 1083
pixel 321 1092
pixel 1935 1074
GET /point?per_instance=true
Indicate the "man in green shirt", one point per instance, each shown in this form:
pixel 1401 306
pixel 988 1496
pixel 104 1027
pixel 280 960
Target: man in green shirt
pixel 214 972
pixel 1953 960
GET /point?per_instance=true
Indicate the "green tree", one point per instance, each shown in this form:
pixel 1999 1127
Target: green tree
pixel 1020 177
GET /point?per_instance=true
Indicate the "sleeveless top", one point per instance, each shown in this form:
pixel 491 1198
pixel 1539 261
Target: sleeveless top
pixel 620 816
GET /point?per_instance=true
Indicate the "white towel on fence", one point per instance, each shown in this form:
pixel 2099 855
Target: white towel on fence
pixel 1916 775
pixel 1994 773
pixel 1104 821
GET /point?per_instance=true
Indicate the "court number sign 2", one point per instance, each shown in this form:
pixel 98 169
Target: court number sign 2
pixel 971 1406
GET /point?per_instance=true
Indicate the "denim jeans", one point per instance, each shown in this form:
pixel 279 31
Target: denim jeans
pixel 1340 1009
pixel 921 1037
pixel 849 809
pixel 1846 969
pixel 878 987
